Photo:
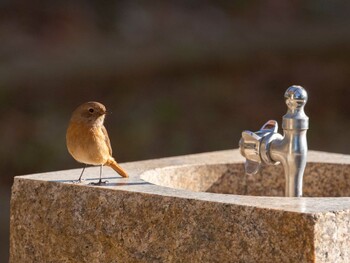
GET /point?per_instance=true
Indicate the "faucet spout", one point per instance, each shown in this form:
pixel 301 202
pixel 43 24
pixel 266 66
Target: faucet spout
pixel 291 152
pixel 271 148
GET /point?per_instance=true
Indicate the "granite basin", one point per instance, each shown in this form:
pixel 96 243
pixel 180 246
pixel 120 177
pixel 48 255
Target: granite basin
pixel 193 208
pixel 322 178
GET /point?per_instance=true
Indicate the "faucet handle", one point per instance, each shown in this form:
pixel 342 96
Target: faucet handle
pixel 250 145
pixel 270 126
pixel 251 167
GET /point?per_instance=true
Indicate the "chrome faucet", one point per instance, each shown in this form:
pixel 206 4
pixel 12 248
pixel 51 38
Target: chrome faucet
pixel 267 146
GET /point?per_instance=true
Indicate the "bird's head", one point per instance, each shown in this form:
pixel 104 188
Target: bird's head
pixel 92 113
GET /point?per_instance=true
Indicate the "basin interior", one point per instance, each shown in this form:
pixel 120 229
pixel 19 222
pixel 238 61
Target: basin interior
pixel 320 179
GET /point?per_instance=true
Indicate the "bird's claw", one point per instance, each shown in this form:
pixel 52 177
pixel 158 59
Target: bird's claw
pixel 77 181
pixel 100 183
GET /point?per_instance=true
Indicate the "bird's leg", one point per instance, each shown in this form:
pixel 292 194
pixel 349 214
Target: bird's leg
pixel 100 182
pixel 79 180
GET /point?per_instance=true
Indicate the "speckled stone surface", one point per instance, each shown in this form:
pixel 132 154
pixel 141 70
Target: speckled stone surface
pixel 178 210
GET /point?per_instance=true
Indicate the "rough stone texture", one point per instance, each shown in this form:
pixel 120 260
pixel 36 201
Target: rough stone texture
pixel 132 220
pixel 333 237
pixel 320 179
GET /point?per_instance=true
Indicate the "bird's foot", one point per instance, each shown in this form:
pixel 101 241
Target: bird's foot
pixel 100 183
pixel 77 181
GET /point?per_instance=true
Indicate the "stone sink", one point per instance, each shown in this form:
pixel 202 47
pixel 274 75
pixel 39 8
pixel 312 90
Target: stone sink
pixel 193 208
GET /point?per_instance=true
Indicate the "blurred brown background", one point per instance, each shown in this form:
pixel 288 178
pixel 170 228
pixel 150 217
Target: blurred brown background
pixel 180 77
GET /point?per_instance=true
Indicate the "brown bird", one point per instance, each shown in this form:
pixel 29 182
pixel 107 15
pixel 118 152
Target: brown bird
pixel 87 139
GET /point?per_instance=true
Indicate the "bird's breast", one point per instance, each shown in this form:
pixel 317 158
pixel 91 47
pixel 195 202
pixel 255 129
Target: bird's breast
pixel 87 144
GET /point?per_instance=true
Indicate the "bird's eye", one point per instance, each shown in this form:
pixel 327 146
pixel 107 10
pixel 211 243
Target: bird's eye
pixel 91 110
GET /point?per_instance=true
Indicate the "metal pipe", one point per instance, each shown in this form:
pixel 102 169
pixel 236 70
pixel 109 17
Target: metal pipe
pixel 266 146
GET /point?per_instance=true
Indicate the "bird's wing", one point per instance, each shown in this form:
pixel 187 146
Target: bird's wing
pixel 108 142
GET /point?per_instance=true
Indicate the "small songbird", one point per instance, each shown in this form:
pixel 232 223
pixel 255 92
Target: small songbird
pixel 87 139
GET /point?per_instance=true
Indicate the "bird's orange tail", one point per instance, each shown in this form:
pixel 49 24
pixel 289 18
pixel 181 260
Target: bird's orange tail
pixel 113 164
